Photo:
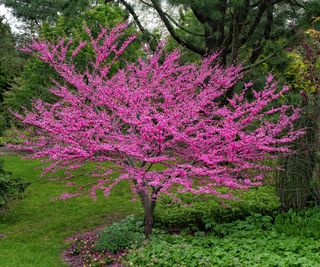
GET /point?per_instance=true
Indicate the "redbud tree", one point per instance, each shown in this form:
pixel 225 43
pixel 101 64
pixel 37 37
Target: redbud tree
pixel 156 112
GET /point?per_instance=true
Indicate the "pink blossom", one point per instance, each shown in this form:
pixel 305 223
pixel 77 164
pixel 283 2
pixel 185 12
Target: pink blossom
pixel 65 196
pixel 152 111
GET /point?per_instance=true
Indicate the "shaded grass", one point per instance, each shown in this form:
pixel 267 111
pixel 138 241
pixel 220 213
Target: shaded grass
pixel 38 226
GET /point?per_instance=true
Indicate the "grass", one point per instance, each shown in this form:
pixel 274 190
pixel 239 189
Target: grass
pixel 37 229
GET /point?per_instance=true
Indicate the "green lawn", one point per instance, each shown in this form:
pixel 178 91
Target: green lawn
pixel 37 229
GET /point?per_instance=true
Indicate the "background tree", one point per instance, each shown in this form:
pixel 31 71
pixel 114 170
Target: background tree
pixel 10 62
pixel 39 11
pixel 298 185
pixel 160 122
pixel 35 79
pixel 8 57
pixel 242 29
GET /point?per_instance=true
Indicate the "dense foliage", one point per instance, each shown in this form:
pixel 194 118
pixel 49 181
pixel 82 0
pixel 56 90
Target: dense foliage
pixel 194 213
pixel 282 239
pixel 11 187
pixel 255 241
pixel 298 185
pixel 36 77
pixel 10 64
pixel 121 236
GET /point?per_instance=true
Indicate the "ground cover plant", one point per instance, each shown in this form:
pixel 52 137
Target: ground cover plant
pixel 257 240
pixel 251 242
pixel 156 111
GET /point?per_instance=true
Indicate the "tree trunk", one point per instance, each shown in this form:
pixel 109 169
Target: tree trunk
pixel 149 205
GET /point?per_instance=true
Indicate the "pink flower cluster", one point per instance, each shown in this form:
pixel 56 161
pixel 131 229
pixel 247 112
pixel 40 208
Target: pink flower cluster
pixel 157 112
pixel 65 196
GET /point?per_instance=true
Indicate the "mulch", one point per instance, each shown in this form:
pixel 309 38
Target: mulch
pixel 79 255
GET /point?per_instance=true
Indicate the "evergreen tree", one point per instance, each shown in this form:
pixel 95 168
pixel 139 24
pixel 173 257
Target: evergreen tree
pixel 35 79
pixel 243 29
pixel 10 64
pixel 9 60
pixel 47 10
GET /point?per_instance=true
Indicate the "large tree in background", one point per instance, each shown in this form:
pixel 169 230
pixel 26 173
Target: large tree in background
pixel 46 10
pixel 9 59
pixel 10 64
pixel 242 29
pixel 35 79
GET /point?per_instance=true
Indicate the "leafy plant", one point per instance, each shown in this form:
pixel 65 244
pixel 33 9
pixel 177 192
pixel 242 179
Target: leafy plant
pixel 11 187
pixel 120 236
pixel 254 241
pixel 201 212
pixel 299 223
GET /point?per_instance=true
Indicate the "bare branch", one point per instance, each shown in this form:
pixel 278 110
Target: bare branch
pixel 130 9
pixel 171 30
pixel 174 21
pixel 257 63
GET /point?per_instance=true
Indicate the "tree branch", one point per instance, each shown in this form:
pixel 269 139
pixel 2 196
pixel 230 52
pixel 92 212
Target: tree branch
pixel 257 63
pixel 130 9
pixel 171 30
pixel 174 21
pixel 262 7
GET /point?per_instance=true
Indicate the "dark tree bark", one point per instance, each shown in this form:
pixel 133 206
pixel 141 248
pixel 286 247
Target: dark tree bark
pixel 233 26
pixel 172 31
pixel 235 38
pixel 148 205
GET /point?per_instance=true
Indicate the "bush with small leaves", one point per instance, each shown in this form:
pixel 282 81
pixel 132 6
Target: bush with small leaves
pixel 305 223
pixel 256 241
pixel 11 187
pixel 121 236
pixel 201 212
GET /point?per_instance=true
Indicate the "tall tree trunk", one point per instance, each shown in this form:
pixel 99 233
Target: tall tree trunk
pixel 235 38
pixel 149 204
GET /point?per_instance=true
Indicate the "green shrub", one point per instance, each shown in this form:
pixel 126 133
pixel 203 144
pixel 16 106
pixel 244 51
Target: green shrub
pixel 212 251
pixel 11 187
pixel 2 124
pixel 304 223
pixel 120 236
pixel 252 242
pixel 199 212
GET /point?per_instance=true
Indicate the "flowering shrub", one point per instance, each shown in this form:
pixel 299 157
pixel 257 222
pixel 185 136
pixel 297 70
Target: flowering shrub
pixel 156 111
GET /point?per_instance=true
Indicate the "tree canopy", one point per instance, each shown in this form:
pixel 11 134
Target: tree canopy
pixel 155 111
